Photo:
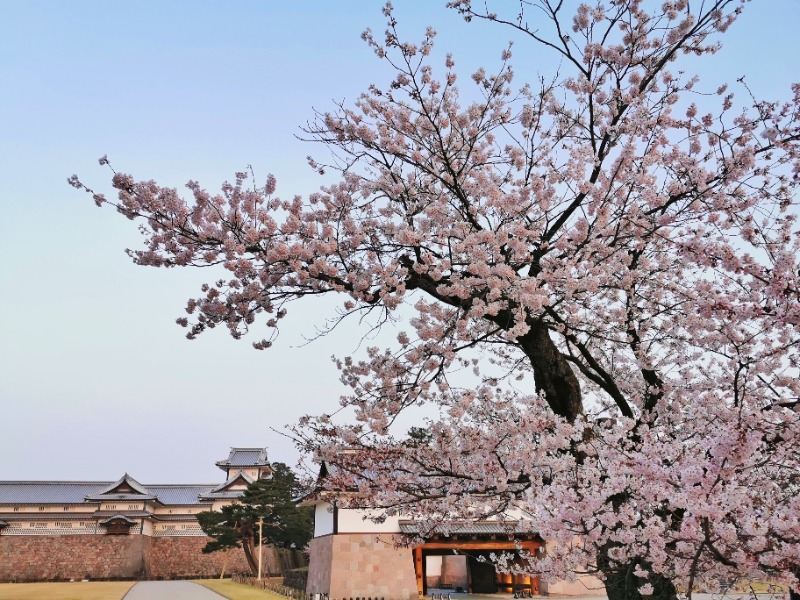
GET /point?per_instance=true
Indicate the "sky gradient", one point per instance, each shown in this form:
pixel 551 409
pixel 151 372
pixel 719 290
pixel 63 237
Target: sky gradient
pixel 95 377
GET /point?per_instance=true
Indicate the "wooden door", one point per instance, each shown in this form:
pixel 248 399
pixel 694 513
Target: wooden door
pixel 482 577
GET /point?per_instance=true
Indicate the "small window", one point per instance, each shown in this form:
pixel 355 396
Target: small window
pixel 66 508
pixel 41 508
pixel 64 525
pixel 111 507
pixel 132 506
pixel 16 509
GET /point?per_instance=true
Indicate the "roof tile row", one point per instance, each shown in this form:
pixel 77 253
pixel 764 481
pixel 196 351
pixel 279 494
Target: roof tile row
pixel 75 492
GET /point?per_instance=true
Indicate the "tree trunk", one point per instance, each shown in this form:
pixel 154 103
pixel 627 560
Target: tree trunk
pixel 552 373
pixel 559 386
pixel 622 584
pixel 248 546
pixel 225 565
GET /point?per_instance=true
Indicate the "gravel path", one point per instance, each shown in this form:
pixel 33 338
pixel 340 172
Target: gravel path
pixel 170 590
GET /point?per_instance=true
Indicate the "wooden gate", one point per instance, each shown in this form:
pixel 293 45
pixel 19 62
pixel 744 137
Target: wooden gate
pixel 482 577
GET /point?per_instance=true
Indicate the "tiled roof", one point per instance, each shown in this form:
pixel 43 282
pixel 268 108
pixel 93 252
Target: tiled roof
pixel 221 495
pixel 123 497
pixel 137 514
pixel 48 492
pixel 138 491
pixel 222 491
pixel 479 528
pixel 231 480
pixel 174 517
pixel 181 494
pixel 117 517
pixel 245 457
pixel 77 492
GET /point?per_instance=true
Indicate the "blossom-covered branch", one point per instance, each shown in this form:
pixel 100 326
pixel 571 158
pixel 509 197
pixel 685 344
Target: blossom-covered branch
pixel 602 272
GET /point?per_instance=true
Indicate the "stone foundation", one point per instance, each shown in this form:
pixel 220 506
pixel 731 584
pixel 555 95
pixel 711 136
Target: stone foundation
pixel 361 565
pixel 182 558
pixel 65 557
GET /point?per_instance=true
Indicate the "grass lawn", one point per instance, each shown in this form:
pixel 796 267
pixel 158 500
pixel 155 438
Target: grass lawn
pixel 236 591
pixel 761 588
pixel 79 590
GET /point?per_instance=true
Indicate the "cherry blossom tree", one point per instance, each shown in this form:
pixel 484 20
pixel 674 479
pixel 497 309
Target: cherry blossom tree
pixel 595 280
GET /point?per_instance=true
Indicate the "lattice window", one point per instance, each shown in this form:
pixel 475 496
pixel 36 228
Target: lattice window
pixel 188 530
pixel 43 529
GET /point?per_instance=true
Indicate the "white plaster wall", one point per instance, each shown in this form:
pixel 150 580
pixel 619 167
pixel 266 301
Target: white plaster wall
pixel 433 566
pixel 174 509
pixel 218 504
pixel 148 528
pixel 352 521
pixel 323 519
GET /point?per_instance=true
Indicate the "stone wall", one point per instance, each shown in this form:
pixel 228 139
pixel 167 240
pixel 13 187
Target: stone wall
pixel 182 558
pixel 320 551
pixel 48 557
pixel 64 557
pixel 361 565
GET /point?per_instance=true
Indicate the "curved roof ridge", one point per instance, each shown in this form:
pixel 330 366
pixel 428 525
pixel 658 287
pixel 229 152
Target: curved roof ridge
pixel 129 481
pixel 244 457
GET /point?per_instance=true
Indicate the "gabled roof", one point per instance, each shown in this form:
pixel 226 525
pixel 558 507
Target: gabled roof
pixel 224 491
pixel 129 514
pixel 320 492
pixel 244 457
pixel 125 488
pixel 118 518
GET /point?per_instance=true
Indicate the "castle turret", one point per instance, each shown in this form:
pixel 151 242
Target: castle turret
pixel 252 462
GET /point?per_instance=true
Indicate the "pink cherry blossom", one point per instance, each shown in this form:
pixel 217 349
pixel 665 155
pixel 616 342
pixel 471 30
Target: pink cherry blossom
pixel 598 279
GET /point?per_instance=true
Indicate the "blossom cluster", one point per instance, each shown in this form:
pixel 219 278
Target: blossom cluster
pixel 629 256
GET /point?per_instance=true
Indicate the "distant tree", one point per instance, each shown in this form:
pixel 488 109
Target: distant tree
pixel 286 525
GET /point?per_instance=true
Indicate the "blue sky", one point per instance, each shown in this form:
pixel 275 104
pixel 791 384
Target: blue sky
pixel 95 377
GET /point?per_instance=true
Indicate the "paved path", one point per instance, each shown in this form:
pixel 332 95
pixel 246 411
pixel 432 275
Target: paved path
pixel 170 590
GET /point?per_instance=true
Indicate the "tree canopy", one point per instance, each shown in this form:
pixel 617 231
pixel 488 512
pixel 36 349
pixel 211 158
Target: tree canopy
pixel 285 525
pixel 598 275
